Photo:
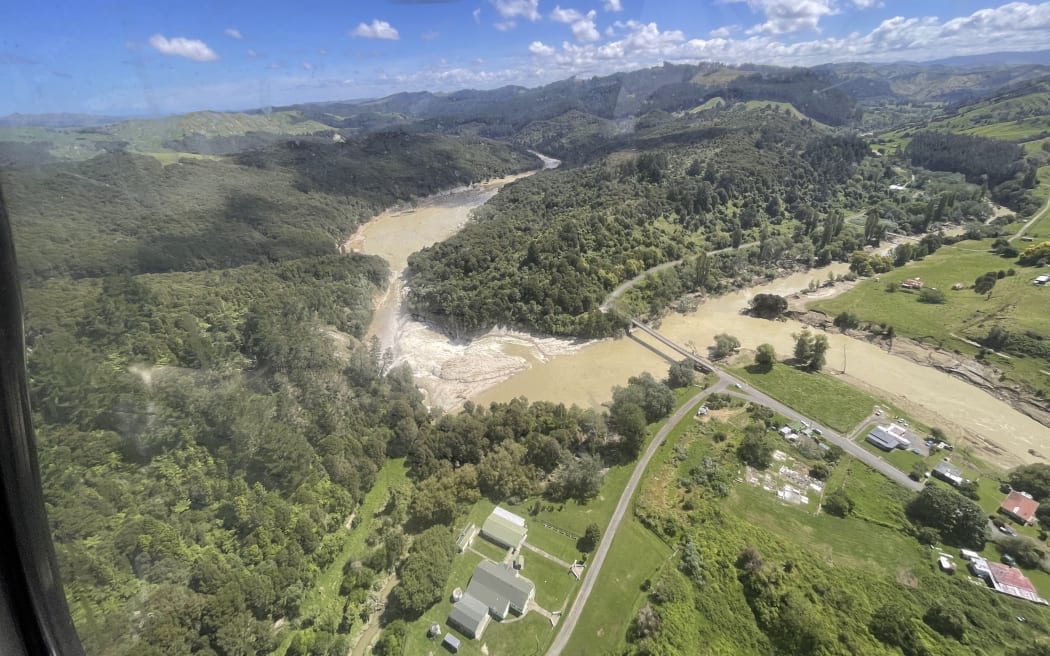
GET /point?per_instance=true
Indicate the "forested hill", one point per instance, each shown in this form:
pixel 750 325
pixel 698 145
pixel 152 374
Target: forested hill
pixel 501 112
pixel 122 212
pixel 547 250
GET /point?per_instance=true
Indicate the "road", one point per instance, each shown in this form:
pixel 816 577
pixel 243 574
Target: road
pixel 594 568
pixel 618 292
pixel 1035 217
pixel 737 387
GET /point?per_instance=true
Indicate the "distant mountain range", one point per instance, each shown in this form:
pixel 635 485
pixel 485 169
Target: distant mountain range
pixel 58 120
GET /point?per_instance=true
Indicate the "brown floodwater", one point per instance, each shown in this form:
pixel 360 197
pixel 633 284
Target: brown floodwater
pixel 504 364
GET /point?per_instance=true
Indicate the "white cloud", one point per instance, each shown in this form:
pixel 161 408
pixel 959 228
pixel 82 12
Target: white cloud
pixel 613 5
pixel 505 26
pixel 477 15
pixel 194 49
pixel 251 54
pixel 789 15
pixel 582 26
pixel 233 33
pixel 560 15
pixel 867 4
pixel 514 8
pixel 724 31
pixel 307 66
pixel 377 29
pixel 540 49
pixel 584 29
pixel 430 35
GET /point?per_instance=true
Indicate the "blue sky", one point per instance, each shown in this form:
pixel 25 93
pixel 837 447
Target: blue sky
pixel 133 57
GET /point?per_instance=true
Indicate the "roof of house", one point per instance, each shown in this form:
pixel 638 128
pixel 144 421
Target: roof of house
pixel 469 614
pixel 505 530
pixel 499 587
pixel 1012 581
pixel 948 469
pixel 882 438
pixel 1020 505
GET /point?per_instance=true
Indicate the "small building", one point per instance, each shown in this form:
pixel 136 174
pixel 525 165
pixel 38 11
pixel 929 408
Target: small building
pixel 500 588
pixel 946 564
pixel 470 616
pixel 505 528
pixel 1020 506
pixel 889 437
pixel 968 554
pixel 434 630
pixel 451 643
pixel 948 473
pixel 912 283
pixel 979 568
pixel 702 412
pixel 466 537
pixel 1042 280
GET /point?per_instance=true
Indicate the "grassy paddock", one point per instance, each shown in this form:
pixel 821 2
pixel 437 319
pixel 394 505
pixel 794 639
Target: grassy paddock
pixel 819 396
pixel 1015 304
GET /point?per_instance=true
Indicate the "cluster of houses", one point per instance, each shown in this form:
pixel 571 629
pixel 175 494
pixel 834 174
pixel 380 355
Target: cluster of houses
pixel 495 590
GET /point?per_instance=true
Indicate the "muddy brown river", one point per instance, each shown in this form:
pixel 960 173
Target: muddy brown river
pixel 504 364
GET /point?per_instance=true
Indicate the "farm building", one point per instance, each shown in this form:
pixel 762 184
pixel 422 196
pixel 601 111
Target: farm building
pixel 470 616
pixel 500 588
pixel 504 528
pixel 889 437
pixel 948 473
pixel 451 643
pixel 466 536
pixel 1020 506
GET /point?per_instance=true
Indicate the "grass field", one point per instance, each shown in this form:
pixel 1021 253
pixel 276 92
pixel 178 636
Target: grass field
pixel 1015 304
pixel 636 554
pixel 819 396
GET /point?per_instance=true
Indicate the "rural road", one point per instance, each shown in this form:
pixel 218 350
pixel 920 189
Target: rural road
pixel 739 389
pixel 618 292
pixel 1035 217
pixel 595 566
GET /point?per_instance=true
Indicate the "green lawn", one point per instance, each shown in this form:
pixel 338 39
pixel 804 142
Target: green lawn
pixel 488 549
pixel 636 554
pixel 553 582
pixel 1015 304
pixel 816 395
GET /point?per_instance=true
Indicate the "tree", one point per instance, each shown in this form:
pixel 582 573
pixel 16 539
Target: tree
pixel 756 449
pixel 655 398
pixel 592 535
pixel 985 283
pixel 1035 254
pixel 959 520
pixel 810 350
pixel 577 478
pixel 646 623
pixel 765 356
pixel 1025 551
pixel 628 420
pixel 681 374
pixel 838 503
pixel 725 345
pixel 423 574
pixel 946 620
pixel 1033 479
pixel 768 306
pixel 893 625
pixel 846 321
pixel 932 296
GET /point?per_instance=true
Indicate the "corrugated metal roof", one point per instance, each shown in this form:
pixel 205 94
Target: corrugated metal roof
pixel 504 531
pixel 499 586
pixel 469 614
